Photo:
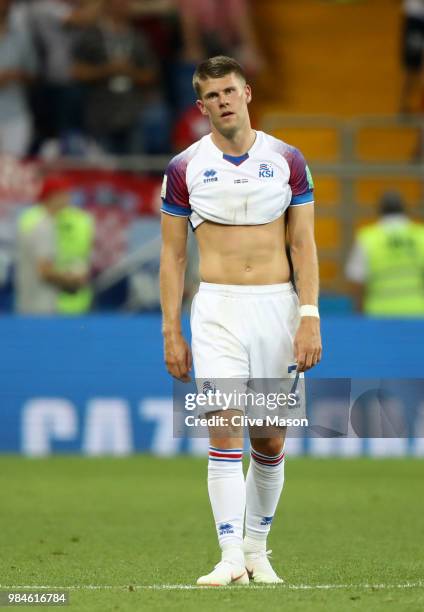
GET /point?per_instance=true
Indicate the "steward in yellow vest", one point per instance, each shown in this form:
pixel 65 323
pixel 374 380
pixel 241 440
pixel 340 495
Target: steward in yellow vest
pixel 387 263
pixel 74 239
pixel 65 265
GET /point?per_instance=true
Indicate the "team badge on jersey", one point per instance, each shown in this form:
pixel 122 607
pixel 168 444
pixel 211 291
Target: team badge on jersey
pixel 266 170
pixel 210 176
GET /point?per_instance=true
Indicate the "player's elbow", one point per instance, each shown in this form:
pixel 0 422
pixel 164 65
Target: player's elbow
pixel 302 245
pixel 173 257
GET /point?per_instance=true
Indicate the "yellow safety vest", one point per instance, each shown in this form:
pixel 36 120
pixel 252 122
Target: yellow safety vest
pixel 74 236
pixel 395 277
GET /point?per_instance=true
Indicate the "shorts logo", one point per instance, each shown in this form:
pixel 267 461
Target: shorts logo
pixel 225 528
pixel 266 520
pixel 210 176
pixel 209 387
pixel 266 170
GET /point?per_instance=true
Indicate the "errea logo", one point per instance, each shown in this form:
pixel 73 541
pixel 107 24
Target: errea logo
pixel 266 170
pixel 210 176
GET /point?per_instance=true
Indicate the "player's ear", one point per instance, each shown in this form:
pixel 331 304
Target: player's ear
pixel 200 105
pixel 248 92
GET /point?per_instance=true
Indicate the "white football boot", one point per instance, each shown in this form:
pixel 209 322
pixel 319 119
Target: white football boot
pixel 260 569
pixel 230 570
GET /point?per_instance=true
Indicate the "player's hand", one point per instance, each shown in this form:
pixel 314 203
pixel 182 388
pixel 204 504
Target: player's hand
pixel 307 344
pixel 177 356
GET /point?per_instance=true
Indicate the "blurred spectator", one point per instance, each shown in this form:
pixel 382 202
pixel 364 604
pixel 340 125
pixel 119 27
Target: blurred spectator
pixel 160 22
pixel 17 68
pixel 191 126
pixel 54 245
pixel 215 27
pixel 413 56
pixel 57 98
pixel 386 265
pixel 114 62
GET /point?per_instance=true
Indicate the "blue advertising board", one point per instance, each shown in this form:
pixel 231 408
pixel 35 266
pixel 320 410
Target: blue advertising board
pixel 98 384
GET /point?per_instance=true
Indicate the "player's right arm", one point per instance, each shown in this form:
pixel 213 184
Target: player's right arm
pixel 175 213
pixel 172 271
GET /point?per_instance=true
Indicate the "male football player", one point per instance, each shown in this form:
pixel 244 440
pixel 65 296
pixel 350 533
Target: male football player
pixel 237 187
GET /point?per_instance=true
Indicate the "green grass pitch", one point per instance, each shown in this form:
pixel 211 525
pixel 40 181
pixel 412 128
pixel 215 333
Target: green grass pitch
pixel 348 534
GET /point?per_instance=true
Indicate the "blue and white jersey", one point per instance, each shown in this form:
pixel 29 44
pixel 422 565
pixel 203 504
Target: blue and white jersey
pixel 204 184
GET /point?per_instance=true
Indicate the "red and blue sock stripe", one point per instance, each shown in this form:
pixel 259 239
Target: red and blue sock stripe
pixel 266 459
pixel 233 455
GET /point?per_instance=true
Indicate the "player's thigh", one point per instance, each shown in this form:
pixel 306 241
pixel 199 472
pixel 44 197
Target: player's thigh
pixel 274 327
pixel 218 352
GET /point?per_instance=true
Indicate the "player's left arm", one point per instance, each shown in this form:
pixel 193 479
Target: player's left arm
pixel 307 343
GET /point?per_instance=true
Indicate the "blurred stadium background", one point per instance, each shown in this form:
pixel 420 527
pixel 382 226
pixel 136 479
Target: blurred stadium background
pixel 328 76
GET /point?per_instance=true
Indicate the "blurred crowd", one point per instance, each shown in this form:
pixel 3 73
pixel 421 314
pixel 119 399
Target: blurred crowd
pixel 87 77
pixel 76 75
pixel 83 78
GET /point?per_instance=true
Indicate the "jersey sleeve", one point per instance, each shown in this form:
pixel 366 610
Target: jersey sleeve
pixel 174 194
pixel 301 182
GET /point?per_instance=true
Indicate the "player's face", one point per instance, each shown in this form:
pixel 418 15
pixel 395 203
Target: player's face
pixel 225 102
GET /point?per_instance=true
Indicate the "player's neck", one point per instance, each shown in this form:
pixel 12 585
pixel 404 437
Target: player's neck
pixel 238 144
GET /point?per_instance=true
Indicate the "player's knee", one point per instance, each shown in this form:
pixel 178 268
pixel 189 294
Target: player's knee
pixel 227 437
pixel 268 446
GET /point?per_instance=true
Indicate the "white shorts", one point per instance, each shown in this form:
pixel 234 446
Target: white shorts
pixel 244 331
pixel 242 342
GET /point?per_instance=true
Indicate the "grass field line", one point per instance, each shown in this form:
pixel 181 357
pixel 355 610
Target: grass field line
pixel 189 587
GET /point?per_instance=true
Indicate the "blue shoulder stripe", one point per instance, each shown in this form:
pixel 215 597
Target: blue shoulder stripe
pixel 175 209
pixel 303 198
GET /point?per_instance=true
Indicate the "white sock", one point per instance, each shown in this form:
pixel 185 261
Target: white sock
pixel 227 492
pixel 264 483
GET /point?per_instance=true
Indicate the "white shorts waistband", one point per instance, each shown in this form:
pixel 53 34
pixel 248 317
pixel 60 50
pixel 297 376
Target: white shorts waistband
pixel 282 288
